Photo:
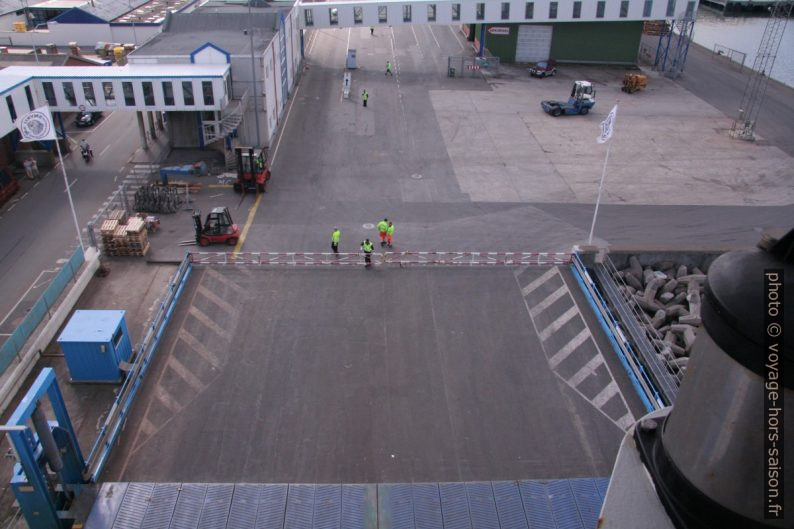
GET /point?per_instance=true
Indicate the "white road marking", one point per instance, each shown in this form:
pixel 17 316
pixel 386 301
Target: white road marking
pixel 73 182
pixel 539 281
pixel 348 42
pixel 557 324
pixel 103 150
pixel 37 183
pixel 586 370
pixel 198 347
pixel 434 37
pixel 626 421
pixel 546 303
pixel 23 196
pixel 568 348
pixel 167 399
pixel 185 374
pixel 217 300
pixel 605 394
pixel 456 37
pixel 11 207
pixel 415 37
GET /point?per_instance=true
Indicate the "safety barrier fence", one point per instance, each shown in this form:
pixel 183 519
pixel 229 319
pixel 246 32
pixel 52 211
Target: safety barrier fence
pixel 41 308
pixel 380 259
pixel 111 428
pixel 643 384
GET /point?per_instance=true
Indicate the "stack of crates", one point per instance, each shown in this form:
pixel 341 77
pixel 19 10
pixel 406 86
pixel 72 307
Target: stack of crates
pixel 121 237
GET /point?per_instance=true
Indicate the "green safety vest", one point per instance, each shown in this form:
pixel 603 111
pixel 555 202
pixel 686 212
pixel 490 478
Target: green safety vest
pixel 390 230
pixel 364 96
pixel 383 226
pixel 367 247
pixel 335 236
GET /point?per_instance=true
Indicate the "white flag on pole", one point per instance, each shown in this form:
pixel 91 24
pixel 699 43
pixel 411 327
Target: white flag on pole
pixel 608 125
pixel 37 125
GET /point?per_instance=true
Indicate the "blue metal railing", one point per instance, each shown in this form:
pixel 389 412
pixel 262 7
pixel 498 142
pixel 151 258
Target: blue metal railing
pixel 12 347
pixel 100 451
pixel 642 382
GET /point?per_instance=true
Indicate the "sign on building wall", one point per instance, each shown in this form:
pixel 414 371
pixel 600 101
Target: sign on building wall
pixel 499 30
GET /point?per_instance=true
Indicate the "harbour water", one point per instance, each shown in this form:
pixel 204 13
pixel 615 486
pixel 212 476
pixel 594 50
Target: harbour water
pixel 743 33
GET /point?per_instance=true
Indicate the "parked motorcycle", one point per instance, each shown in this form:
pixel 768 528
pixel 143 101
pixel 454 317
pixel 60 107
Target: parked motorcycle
pixel 87 154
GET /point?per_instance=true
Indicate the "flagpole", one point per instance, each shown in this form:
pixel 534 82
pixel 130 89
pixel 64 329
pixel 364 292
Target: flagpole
pixel 69 194
pixel 598 200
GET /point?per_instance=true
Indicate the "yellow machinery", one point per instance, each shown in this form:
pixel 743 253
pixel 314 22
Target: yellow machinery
pixel 633 82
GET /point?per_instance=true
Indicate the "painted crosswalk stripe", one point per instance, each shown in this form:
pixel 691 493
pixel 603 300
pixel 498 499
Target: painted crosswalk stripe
pixel 220 302
pixel 626 421
pixel 605 394
pixel 557 324
pixel 167 399
pixel 185 374
pixel 546 303
pixel 207 321
pixel 569 347
pixel 587 370
pixel 539 281
pixel 199 348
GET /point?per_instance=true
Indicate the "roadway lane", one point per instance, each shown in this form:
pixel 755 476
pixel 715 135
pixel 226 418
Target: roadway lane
pixel 36 229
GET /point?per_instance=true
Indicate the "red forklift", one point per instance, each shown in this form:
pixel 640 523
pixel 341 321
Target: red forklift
pixel 252 170
pixel 218 228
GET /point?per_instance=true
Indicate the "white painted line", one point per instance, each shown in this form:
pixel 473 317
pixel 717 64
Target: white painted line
pixel 415 37
pixel 568 348
pixel 37 183
pixel 185 374
pixel 348 43
pixel 121 169
pixel 434 36
pixel 103 150
pixel 73 182
pixel 197 346
pixel 31 287
pixel 557 324
pixel 546 303
pixel 208 322
pixel 587 370
pixel 454 34
pixel 605 394
pixel 11 207
pixel 107 118
pixel 626 421
pixel 4 334
pixel 217 300
pixel 167 400
pixel 23 196
pixel 539 281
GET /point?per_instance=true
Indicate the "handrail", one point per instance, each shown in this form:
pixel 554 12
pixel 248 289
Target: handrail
pixel 111 428
pixel 386 258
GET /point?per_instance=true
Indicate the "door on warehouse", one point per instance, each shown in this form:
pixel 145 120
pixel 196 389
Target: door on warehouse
pixel 534 43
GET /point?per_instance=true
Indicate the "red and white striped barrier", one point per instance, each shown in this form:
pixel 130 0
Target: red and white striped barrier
pixel 387 258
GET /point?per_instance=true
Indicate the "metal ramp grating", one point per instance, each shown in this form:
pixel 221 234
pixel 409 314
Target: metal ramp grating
pixel 558 504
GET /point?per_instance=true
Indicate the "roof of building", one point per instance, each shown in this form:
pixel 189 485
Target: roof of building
pixel 228 30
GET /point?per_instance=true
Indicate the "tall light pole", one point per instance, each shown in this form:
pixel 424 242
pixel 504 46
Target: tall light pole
pixel 132 17
pixel 253 75
pixel 32 32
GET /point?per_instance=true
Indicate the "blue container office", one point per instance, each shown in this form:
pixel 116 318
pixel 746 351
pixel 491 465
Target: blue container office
pixel 95 343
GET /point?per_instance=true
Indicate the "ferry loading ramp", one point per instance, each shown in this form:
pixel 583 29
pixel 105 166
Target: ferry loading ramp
pixel 346 375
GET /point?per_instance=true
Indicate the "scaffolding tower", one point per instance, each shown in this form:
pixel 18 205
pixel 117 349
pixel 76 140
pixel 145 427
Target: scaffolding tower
pixel 673 46
pixel 755 91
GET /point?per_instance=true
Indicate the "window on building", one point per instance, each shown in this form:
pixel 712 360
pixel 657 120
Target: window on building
pixel 68 93
pixel 624 8
pixel 505 10
pixel 577 10
pixel 110 96
pixel 406 13
pixel 148 93
pixel 168 93
pixel 29 95
pixel 383 14
pixel 600 8
pixel 206 90
pixel 431 12
pixel 308 17
pixel 670 8
pixel 480 11
pixel 647 8
pixel 529 11
pixel 129 93
pixel 187 93
pixel 358 15
pixel 333 13
pixel 455 11
pixel 690 9
pixel 88 93
pixel 553 10
pixel 11 109
pixel 49 93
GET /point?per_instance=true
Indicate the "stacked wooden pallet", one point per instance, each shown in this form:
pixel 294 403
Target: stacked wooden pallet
pixel 128 238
